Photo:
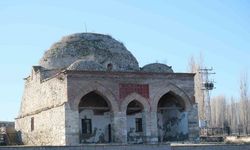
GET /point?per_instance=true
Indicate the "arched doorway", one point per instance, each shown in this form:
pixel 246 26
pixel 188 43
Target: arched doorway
pixel 135 122
pixel 95 119
pixel 172 120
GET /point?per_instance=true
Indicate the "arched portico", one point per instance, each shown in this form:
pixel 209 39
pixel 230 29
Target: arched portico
pixel 95 119
pixel 172 119
pixel 136 108
pixel 137 97
pixel 75 114
pixel 170 106
pixel 80 91
pixel 162 90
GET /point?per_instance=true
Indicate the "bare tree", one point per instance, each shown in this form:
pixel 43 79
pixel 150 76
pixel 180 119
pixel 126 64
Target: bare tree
pixel 244 101
pixel 194 67
pixel 219 113
pixel 233 115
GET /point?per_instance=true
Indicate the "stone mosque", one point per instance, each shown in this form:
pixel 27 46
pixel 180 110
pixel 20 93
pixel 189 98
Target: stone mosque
pixel 88 88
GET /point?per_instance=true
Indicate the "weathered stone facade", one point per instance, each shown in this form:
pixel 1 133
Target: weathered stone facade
pixel 89 89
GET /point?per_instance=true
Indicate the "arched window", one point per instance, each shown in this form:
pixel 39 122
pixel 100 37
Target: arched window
pixel 109 67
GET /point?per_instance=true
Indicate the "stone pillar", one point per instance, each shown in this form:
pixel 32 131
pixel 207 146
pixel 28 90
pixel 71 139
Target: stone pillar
pixel 72 129
pixel 119 127
pixel 193 124
pixel 153 127
pixel 147 125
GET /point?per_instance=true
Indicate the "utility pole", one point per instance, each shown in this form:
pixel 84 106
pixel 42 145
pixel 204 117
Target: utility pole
pixel 207 86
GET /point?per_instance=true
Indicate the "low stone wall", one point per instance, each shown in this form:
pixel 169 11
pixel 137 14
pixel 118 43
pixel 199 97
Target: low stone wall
pixel 209 147
pixel 135 147
pixel 92 147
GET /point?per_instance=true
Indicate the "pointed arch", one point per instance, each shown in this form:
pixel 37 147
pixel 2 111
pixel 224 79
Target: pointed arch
pixel 82 90
pixel 137 97
pixel 170 88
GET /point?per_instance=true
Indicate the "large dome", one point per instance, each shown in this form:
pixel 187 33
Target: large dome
pixel 98 48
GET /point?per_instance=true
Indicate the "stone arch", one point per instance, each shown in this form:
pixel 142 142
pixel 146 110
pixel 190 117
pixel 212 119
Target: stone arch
pixel 137 97
pixel 170 88
pixel 99 89
pixel 136 120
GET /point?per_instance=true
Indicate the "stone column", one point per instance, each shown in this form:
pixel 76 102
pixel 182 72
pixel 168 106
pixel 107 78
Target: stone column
pixel 119 127
pixel 153 127
pixel 193 124
pixel 147 125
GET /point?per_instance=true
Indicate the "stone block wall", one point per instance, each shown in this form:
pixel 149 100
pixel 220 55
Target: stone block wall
pixel 44 101
pixel 40 94
pixel 48 127
pixel 193 123
pixel 100 126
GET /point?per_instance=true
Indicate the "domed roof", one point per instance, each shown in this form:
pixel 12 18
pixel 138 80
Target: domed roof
pixel 102 49
pixel 86 65
pixel 157 67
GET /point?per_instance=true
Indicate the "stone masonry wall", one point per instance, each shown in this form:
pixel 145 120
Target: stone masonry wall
pixel 40 95
pixel 172 126
pixel 45 102
pixel 100 127
pixel 49 127
pixel 132 135
pixel 193 123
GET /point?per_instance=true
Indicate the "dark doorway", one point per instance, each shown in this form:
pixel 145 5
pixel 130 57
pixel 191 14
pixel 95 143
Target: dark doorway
pixel 109 131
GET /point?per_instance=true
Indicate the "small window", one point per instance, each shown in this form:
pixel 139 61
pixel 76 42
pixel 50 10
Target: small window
pixel 86 126
pixel 32 124
pixel 109 67
pixel 138 124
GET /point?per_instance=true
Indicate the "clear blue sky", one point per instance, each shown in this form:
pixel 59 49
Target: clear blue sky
pixel 167 31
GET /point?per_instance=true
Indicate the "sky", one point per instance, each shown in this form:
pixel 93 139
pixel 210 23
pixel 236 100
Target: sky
pixel 164 31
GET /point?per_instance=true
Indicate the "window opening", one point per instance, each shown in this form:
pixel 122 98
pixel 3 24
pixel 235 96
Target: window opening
pixel 138 124
pixel 86 126
pixel 109 67
pixel 32 124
